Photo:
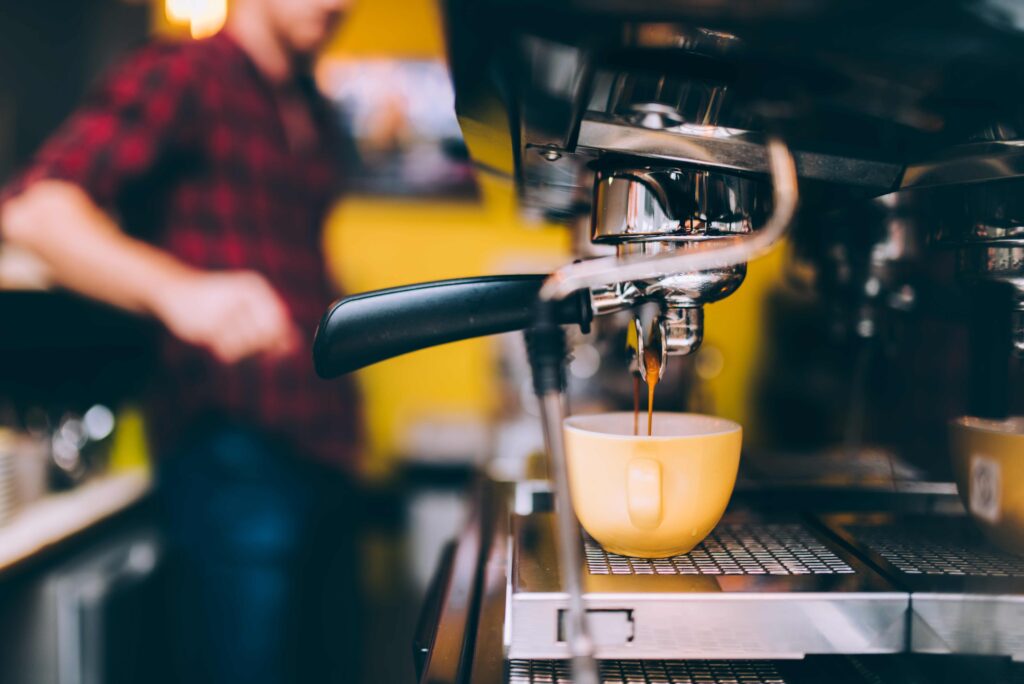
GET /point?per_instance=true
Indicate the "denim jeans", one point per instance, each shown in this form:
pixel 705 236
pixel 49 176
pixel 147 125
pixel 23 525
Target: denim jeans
pixel 263 583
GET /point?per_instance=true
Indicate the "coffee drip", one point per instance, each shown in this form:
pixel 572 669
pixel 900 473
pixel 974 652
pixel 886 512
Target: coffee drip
pixel 652 366
pixel 636 403
pixel 652 362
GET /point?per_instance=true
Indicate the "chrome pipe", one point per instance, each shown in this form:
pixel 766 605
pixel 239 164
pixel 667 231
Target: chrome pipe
pixel 581 646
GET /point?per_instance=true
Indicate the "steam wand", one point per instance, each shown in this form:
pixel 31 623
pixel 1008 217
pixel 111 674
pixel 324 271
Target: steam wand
pixel 547 350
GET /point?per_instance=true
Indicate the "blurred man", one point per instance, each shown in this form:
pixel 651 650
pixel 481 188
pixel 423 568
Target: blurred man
pixel 192 186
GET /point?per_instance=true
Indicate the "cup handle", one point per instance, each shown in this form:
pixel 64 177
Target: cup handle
pixel 643 493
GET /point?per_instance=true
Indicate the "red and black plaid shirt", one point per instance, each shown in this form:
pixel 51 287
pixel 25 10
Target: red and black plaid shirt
pixel 185 145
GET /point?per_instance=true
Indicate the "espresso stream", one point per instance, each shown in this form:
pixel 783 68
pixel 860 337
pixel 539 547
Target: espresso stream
pixel 636 404
pixel 652 364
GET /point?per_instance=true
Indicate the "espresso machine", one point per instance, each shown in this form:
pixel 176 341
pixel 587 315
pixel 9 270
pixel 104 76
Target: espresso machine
pixel 883 144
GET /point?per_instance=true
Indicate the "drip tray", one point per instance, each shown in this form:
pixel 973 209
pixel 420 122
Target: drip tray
pixel 915 669
pixel 755 589
pixel 967 595
pixel 651 672
pixel 732 549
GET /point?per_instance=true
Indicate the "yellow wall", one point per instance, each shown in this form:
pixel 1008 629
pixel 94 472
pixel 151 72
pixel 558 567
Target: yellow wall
pixel 372 28
pixel 734 327
pixel 390 28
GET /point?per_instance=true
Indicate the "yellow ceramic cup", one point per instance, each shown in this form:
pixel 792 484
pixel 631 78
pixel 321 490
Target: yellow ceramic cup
pixel 988 461
pixel 655 496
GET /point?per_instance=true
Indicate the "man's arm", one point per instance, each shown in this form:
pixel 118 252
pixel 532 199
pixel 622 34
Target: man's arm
pixel 233 314
pixel 121 132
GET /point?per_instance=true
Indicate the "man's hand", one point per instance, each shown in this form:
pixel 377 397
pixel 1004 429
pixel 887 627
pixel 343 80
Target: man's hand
pixel 234 314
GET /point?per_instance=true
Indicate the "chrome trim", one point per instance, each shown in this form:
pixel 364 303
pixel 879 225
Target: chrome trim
pixel 728 149
pixel 968 164
pixel 677 204
pixel 966 595
pixel 710 254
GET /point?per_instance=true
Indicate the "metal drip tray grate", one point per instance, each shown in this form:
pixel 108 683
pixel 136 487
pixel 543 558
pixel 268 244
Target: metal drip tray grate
pixel 967 596
pixel 650 672
pixel 928 548
pixel 732 549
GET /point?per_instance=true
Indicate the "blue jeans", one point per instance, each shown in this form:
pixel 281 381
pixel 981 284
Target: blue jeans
pixel 263 583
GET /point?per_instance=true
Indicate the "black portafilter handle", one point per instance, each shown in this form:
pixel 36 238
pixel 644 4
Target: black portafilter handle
pixel 363 329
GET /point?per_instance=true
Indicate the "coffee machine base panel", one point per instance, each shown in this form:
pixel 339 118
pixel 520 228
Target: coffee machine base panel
pixel 813 670
pixel 967 595
pixel 756 588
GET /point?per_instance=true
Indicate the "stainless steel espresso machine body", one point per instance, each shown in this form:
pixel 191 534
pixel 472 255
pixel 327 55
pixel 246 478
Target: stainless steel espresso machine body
pixel 884 143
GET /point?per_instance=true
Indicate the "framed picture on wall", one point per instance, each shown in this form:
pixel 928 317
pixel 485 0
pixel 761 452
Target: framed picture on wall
pixel 401 134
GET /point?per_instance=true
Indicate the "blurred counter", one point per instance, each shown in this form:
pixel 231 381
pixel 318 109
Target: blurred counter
pixel 58 517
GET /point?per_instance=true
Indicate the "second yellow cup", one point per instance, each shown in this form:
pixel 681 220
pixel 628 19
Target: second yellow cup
pixel 651 496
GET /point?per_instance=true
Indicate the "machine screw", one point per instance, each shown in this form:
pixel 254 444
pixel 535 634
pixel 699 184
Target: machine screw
pixel 551 154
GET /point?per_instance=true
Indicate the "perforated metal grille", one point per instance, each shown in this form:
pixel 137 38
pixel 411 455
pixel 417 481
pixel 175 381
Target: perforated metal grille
pixel 935 549
pixel 650 672
pixel 739 549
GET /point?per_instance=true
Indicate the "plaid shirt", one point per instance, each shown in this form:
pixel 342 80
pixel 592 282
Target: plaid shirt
pixel 186 145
